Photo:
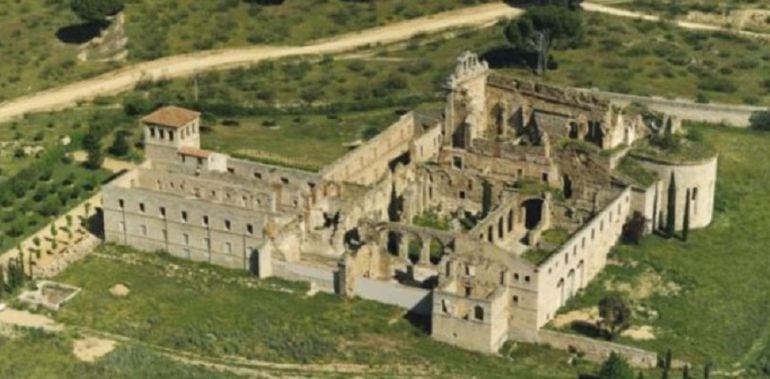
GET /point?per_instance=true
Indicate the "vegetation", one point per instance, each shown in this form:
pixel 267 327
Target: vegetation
pixel 46 34
pixel 615 315
pixel 96 10
pixel 431 219
pixel 540 27
pixel 615 367
pixel 40 192
pixel 760 120
pixel 211 310
pixel 53 358
pixel 723 266
pixel 630 169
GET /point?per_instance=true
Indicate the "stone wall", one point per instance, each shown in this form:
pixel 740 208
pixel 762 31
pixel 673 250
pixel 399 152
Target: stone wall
pixel 578 260
pixel 321 277
pixel 596 350
pixel 369 162
pixel 416 300
pixel 188 228
pixel 697 177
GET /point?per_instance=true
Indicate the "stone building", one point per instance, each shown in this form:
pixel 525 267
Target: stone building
pixel 535 184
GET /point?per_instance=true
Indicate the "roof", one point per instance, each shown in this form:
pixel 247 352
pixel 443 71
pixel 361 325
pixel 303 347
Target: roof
pixel 171 116
pixel 193 152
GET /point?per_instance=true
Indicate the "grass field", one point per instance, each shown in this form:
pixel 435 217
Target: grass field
pixel 217 312
pixel 721 312
pixel 36 354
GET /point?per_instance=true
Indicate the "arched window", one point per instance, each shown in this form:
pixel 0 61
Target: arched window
pixel 478 313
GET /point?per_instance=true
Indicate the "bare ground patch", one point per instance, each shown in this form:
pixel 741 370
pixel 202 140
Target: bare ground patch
pixel 90 349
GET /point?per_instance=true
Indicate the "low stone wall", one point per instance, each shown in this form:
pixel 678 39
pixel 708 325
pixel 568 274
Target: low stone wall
pixel 416 300
pixel 596 350
pixel 322 278
pixel 733 115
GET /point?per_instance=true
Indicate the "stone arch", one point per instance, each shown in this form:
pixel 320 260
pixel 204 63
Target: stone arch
pixel 567 186
pixel 533 209
pixel 437 250
pixel 478 313
pixel 580 273
pixel 414 245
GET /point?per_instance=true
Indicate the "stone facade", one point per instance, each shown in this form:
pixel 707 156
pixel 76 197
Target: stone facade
pixel 523 176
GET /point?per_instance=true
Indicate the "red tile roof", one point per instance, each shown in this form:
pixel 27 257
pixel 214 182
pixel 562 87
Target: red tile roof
pixel 193 152
pixel 171 116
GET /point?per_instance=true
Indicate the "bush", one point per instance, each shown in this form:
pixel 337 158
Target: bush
pixel 760 120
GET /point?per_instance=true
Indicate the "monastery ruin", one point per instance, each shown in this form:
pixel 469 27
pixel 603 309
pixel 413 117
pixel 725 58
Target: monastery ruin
pixel 533 185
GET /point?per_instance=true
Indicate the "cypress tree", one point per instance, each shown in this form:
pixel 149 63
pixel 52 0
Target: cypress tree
pixel 667 362
pixel 686 372
pixel 707 371
pixel 671 216
pixel 686 221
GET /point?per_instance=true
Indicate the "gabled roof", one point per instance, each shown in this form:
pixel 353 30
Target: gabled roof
pixel 171 116
pixel 193 152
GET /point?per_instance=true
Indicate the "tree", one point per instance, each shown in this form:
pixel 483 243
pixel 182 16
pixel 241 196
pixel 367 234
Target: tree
pixel 686 220
pixel 95 157
pixel 686 372
pixel 615 314
pixel 96 10
pixel 760 120
pixel 120 145
pixel 615 367
pixel 539 27
pixel 634 228
pixel 671 211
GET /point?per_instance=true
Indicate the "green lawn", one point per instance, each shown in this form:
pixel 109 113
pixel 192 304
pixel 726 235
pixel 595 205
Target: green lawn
pixel 36 354
pixel 218 312
pixel 722 312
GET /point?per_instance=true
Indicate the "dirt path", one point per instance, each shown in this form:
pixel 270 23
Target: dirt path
pixel 185 65
pixel 29 320
pixel 593 7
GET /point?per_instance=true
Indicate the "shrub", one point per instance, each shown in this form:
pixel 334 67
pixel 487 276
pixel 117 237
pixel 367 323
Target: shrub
pixel 760 120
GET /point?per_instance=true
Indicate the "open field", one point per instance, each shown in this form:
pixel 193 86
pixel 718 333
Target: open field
pixel 217 312
pixel 30 353
pixel 635 57
pixel 706 299
pixel 38 56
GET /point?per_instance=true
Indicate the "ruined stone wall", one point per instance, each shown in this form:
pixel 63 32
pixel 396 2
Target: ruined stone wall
pixel 152 221
pixel 369 162
pixel 596 350
pixel 578 260
pixel 491 268
pixel 455 320
pixel 698 177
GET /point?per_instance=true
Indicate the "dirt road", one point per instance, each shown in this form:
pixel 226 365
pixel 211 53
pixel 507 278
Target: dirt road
pixel 185 65
pixel 593 7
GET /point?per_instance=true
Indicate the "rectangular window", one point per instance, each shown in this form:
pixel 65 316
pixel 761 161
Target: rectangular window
pixel 162 133
pixel 227 225
pixel 184 216
pixel 257 175
pixel 461 194
pixel 457 162
pixel 250 229
pixel 285 180
pixel 141 207
pixel 120 203
pixel 171 135
pixel 545 177
pixel 205 220
pixel 162 212
pixel 152 132
pixel 526 279
pixel 186 239
pixel 515 300
pixel 228 247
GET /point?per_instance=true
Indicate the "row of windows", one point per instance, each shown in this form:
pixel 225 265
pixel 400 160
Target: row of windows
pixel 183 217
pixel 227 247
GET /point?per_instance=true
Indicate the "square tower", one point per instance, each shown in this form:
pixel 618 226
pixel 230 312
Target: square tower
pixel 168 129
